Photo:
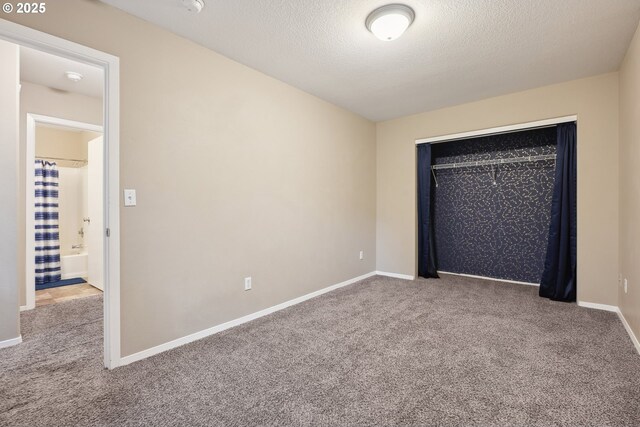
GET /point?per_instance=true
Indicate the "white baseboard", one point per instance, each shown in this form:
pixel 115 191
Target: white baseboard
pixel 227 325
pixel 597 306
pixel 489 278
pixel 27 307
pixel 633 337
pixel 11 342
pixel 395 275
pixel 224 326
pixel 614 309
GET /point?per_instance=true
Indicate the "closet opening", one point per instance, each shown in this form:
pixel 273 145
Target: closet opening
pixel 501 205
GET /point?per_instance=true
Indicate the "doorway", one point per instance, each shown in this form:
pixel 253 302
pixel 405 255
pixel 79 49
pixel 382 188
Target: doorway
pixel 74 266
pixel 22 36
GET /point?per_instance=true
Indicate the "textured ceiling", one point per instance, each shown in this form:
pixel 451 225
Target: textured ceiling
pixel 456 51
pixel 49 70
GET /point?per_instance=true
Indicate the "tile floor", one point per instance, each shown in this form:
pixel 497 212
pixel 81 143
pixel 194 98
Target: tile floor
pixel 65 293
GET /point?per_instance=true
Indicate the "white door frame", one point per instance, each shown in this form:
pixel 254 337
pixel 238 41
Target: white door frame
pixel 32 121
pixel 29 37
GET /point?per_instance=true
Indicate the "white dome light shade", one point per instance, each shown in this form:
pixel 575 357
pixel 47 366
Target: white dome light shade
pixel 73 76
pixel 390 22
pixel 193 6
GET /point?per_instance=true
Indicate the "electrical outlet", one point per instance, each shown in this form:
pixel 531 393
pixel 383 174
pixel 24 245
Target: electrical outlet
pixel 626 283
pixel 361 254
pixel 247 283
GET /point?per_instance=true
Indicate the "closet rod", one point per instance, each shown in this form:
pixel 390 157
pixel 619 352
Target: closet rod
pixel 523 159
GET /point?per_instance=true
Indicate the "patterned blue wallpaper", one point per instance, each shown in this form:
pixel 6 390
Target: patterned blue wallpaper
pixel 499 230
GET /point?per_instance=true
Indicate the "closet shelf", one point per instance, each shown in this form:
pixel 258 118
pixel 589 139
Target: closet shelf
pixel 524 159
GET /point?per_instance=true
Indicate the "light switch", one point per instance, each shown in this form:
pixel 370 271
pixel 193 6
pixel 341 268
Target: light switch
pixel 129 197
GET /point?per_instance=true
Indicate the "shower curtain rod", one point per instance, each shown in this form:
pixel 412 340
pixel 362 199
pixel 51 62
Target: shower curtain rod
pixel 59 158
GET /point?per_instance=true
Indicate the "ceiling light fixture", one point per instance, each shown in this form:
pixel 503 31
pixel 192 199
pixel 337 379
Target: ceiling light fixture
pixel 193 6
pixel 390 22
pixel 73 76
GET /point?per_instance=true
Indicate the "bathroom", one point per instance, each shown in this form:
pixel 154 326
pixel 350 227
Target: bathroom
pixel 66 158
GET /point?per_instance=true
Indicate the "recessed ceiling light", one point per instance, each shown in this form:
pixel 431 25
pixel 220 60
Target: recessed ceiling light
pixel 194 6
pixel 390 22
pixel 73 76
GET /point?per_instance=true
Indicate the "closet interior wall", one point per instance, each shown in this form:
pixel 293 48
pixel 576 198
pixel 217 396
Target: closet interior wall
pixel 493 221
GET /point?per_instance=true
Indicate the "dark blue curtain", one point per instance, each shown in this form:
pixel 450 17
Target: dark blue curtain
pixel 559 277
pixel 426 247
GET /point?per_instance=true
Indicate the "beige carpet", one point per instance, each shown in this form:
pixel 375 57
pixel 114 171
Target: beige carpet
pixel 380 352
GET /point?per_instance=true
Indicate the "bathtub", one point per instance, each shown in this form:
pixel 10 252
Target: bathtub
pixel 74 265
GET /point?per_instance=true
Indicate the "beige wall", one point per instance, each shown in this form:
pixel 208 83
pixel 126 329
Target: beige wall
pixel 9 73
pixel 593 100
pixel 37 99
pixel 60 143
pixel 237 175
pixel 630 184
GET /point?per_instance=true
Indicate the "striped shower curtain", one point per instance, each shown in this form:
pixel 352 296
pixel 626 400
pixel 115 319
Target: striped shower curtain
pixel 47 230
